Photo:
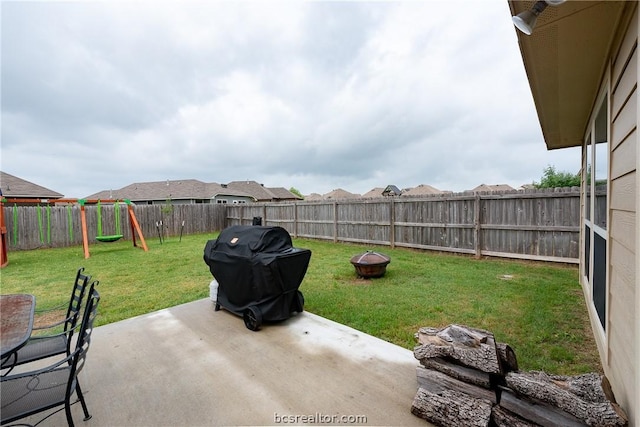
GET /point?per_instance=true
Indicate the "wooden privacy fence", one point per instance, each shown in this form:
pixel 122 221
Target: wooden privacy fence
pixel 30 227
pixel 539 225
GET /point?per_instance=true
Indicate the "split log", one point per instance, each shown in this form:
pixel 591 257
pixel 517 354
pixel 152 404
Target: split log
pixel 437 382
pixel 507 357
pixel 581 396
pixel 462 373
pixel 451 408
pixel 538 412
pixel 503 418
pixel 471 347
pixel 588 387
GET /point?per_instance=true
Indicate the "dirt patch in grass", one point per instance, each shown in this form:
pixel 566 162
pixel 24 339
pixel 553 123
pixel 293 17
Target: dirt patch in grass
pixel 360 281
pixel 47 318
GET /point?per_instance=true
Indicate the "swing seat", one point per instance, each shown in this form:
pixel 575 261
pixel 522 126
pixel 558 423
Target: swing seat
pixel 108 239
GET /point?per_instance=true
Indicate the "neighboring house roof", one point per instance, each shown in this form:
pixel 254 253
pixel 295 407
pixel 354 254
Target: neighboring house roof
pixel 186 189
pixel 498 187
pixel 339 193
pixel 283 193
pixel 12 186
pixel 215 189
pixel 391 190
pixel 571 40
pixel 374 192
pixel 262 193
pixel 422 190
pixel 258 191
pixel 313 196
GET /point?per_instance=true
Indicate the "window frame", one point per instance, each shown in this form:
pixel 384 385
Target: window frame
pixel 590 228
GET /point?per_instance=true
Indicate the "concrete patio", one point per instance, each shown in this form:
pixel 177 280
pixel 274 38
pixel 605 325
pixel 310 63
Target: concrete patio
pixel 192 366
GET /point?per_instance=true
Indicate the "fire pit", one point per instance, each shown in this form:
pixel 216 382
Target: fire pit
pixel 370 264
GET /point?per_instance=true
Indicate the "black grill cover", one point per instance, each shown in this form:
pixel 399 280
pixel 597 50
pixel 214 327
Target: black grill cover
pixel 258 266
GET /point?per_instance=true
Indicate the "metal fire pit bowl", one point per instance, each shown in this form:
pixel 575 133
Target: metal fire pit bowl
pixel 370 264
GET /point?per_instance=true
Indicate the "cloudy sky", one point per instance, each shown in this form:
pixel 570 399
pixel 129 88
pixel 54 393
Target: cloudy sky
pixel 312 95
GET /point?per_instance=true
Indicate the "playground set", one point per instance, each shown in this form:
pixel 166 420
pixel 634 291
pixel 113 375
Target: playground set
pixel 133 222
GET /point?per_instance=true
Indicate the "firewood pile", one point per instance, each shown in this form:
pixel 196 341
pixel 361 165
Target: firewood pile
pixel 465 378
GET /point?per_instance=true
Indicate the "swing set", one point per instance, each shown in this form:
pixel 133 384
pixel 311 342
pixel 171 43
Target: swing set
pixel 133 222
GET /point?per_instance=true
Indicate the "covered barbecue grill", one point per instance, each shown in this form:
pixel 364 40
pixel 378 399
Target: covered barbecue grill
pixel 258 273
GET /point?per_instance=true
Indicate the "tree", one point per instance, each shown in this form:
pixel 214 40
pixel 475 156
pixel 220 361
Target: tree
pixel 551 178
pixel 297 192
pixel 167 208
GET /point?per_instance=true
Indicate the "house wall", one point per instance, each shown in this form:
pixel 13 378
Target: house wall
pixel 165 202
pixel 230 199
pixel 620 350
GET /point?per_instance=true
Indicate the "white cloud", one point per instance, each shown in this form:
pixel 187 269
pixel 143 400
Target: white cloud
pixel 315 95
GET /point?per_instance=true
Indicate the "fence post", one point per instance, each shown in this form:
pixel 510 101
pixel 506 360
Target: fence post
pixel 295 219
pixel 4 259
pixel 392 220
pixel 477 233
pixel 335 221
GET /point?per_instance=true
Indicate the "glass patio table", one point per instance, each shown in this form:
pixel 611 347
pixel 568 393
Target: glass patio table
pixel 16 322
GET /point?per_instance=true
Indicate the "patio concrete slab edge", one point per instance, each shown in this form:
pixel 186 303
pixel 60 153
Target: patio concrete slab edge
pixel 192 366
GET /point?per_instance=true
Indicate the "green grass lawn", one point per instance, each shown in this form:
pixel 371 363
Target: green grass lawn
pixel 537 308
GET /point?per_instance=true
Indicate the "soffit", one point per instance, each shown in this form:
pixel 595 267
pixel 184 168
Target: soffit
pixel 565 59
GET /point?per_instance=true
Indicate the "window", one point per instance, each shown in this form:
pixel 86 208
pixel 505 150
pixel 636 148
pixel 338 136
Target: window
pixel 595 184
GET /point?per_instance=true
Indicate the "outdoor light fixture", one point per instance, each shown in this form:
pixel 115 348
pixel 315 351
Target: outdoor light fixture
pixel 525 21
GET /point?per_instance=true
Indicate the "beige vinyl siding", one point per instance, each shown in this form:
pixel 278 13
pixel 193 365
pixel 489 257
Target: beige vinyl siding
pixel 625 86
pixel 623 229
pixel 622 346
pixel 626 121
pixel 623 193
pixel 623 157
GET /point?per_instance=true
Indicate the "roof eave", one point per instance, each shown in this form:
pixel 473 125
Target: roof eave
pixel 565 59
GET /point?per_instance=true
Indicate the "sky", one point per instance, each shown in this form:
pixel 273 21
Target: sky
pixel 315 95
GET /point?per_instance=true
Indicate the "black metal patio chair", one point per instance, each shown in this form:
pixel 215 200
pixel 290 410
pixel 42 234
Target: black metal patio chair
pixel 33 392
pixel 55 338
